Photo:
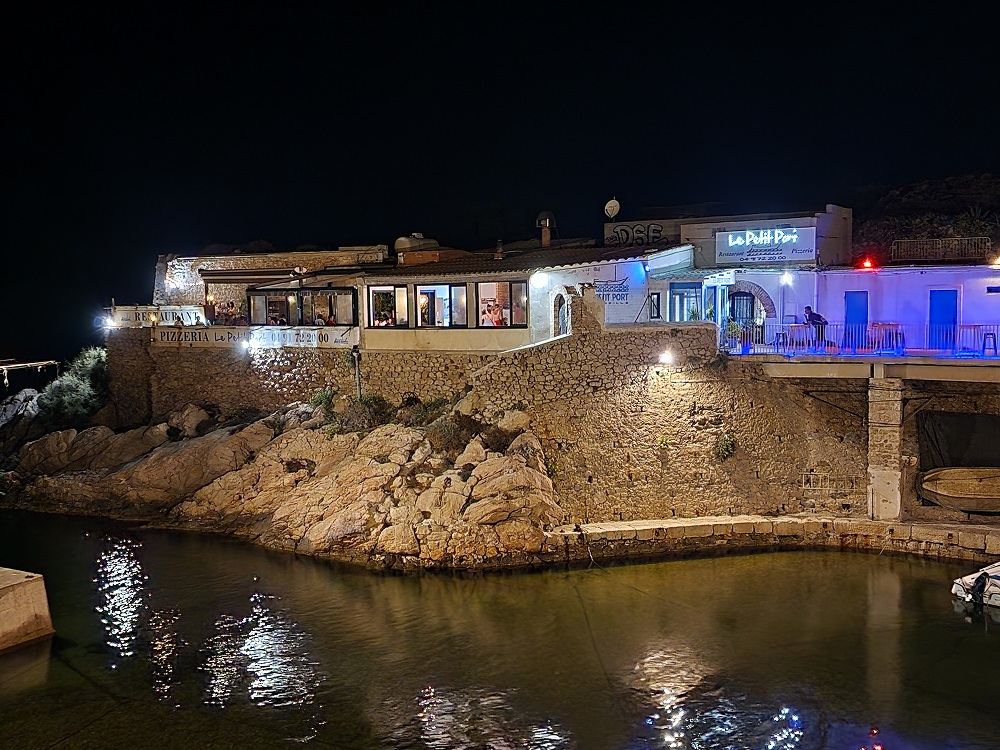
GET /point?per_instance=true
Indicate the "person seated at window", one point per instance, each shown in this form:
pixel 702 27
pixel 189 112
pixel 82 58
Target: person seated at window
pixel 486 319
pixel 319 321
pixel 282 322
pixel 331 320
pixel 272 321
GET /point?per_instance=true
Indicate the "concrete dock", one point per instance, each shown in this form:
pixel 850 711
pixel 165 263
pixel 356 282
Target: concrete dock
pixel 24 608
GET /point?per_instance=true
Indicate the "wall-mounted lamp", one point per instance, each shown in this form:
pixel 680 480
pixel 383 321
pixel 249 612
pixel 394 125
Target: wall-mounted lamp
pixel 666 358
pixel 786 279
pixel 539 279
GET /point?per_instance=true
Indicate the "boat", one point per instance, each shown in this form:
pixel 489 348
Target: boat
pixel 979 588
pixel 974 489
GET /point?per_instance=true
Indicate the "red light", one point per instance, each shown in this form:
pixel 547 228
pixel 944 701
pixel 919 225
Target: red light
pixel 866 263
pixel 877 746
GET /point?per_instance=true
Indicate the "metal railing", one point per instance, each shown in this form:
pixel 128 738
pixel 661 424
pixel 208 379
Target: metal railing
pixel 873 339
pixel 950 248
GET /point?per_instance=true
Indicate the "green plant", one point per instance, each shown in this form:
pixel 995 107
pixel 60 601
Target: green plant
pixel 694 313
pixel 551 468
pixel 725 447
pixel 663 441
pixel 733 329
pixel 381 459
pixel 72 398
pixel 324 398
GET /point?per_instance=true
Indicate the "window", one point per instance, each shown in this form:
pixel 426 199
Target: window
pixel 387 306
pixel 441 306
pixel 708 304
pixel 685 301
pixel 654 305
pixel 333 308
pixel 502 303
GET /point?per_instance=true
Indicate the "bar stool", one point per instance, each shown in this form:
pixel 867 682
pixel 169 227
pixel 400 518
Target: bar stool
pixel 781 340
pixel 990 339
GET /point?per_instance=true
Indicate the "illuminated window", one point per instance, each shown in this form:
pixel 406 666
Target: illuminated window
pixel 502 303
pixel 442 306
pixel 654 305
pixel 685 301
pixel 387 306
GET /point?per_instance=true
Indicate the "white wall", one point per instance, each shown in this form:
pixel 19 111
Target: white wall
pixel 900 295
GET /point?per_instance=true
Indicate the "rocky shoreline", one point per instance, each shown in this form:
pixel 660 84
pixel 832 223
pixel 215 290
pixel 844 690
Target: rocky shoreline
pixel 385 499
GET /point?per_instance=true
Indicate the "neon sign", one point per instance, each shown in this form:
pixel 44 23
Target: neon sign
pixel 764 237
pixel 770 245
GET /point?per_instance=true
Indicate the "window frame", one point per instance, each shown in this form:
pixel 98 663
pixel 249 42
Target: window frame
pixel 510 297
pixel 384 288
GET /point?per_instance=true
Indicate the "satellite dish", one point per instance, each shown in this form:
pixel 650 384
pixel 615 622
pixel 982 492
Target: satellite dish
pixel 611 208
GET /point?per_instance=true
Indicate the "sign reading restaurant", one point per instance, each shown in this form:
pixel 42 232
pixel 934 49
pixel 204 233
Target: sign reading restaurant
pixel 766 245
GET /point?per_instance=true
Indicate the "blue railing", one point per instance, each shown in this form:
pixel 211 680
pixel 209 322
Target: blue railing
pixel 872 339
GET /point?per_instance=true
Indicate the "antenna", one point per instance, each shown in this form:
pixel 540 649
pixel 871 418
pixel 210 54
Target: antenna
pixel 611 208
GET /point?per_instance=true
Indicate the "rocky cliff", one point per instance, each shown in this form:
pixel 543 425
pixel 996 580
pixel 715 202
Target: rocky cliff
pixel 385 498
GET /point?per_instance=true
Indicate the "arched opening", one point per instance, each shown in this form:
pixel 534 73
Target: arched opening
pixel 560 320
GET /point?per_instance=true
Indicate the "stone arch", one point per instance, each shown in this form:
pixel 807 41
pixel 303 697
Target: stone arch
pixel 770 311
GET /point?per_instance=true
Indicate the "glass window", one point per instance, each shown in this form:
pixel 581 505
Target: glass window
pixel 685 301
pixel 708 304
pixel 333 308
pixel 441 305
pixel 387 306
pixel 654 305
pixel 502 304
pixel 459 305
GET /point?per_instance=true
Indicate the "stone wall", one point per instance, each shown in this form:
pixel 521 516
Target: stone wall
pixel 148 381
pixel 628 437
pixel 131 368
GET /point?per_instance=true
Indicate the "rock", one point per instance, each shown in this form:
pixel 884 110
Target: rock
pixel 470 404
pixel 514 421
pixel 47 455
pixel 191 420
pixel 398 539
pixel 390 440
pixel 520 536
pixel 528 447
pixel 505 475
pixel 19 423
pixel 474 453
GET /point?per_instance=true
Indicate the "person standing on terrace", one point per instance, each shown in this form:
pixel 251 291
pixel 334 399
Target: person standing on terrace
pixel 818 322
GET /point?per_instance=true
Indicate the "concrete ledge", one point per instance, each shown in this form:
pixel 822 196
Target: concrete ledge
pixel 686 536
pixel 24 608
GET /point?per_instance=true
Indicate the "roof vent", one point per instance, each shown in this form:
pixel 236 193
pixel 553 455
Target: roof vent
pixel 498 253
pixel 415 241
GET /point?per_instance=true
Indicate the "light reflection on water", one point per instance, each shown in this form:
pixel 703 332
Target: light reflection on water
pixel 792 650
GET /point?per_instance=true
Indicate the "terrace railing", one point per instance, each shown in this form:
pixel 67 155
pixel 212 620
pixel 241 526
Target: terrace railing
pixel 950 249
pixel 871 339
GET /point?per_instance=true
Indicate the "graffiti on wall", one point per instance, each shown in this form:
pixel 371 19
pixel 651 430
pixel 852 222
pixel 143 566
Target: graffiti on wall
pixel 635 233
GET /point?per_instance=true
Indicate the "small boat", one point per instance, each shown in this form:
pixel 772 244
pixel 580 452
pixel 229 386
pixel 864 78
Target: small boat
pixel 979 588
pixel 973 489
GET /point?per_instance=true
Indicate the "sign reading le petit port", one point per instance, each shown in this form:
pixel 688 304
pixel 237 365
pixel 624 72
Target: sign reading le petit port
pixel 768 245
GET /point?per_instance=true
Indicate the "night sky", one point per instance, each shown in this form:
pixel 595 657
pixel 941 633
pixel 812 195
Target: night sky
pixel 139 130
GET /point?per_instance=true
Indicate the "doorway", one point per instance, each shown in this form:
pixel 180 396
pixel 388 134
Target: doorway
pixel 942 318
pixel 855 320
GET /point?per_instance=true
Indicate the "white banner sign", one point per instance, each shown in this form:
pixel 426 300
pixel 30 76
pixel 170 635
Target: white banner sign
pixel 767 245
pixel 146 316
pixel 258 337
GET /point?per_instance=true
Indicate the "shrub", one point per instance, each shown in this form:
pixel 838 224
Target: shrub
pixel 324 398
pixel 497 439
pixel 420 414
pixel 363 414
pixel 725 447
pixel 72 398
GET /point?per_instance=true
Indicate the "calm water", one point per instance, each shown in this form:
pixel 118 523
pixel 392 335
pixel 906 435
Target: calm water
pixel 181 641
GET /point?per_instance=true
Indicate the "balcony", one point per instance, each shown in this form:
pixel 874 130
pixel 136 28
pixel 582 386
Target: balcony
pixel 882 339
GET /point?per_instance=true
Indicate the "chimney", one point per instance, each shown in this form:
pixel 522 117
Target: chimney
pixel 546 220
pixel 498 253
pixel 546 235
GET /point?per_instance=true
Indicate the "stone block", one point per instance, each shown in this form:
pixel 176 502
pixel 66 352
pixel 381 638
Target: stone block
pixel 922 533
pixel 722 529
pixel 698 529
pixel 743 527
pixel 972 540
pixel 788 528
pixel 763 527
pixel 993 543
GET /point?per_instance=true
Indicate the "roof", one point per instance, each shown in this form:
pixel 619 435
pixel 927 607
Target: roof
pixel 483 263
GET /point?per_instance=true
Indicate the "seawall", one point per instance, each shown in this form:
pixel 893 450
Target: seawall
pixel 24 608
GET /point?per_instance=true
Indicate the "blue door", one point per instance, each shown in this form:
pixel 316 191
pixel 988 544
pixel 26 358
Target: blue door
pixel 942 318
pixel 855 321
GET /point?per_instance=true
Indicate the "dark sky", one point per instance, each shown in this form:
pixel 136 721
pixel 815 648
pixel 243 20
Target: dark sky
pixel 136 130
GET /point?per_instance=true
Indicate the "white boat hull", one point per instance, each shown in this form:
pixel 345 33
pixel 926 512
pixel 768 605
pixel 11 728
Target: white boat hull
pixel 962 587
